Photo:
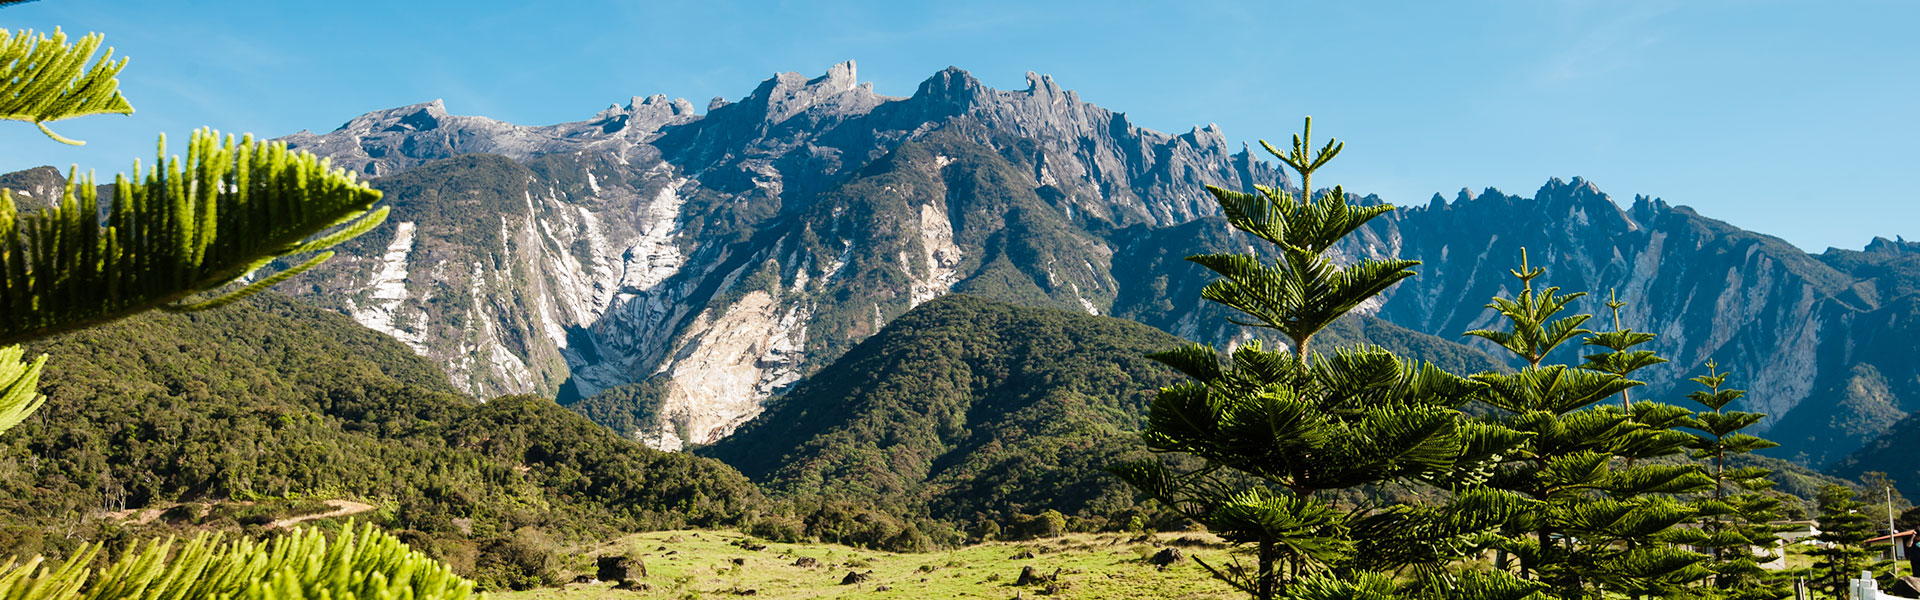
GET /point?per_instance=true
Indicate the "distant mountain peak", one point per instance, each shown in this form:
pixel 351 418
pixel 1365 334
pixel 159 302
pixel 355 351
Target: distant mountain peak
pixel 1579 188
pixel 417 117
pixel 952 89
pixel 1894 247
pixel 786 95
pixel 1041 84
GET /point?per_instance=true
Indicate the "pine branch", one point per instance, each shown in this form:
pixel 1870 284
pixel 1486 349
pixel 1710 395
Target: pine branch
pixel 46 79
pixel 18 380
pixel 173 232
pixel 363 563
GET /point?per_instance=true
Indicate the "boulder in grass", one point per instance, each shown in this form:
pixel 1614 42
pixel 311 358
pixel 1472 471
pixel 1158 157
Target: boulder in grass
pixel 854 577
pixel 1165 557
pixel 806 562
pixel 1028 576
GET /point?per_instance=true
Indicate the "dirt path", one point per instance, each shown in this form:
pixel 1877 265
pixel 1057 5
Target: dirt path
pixel 136 515
pixel 341 508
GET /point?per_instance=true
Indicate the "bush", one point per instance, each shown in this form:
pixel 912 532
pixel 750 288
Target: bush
pixel 986 530
pixel 779 528
pixel 910 539
pixel 1044 525
pixel 522 561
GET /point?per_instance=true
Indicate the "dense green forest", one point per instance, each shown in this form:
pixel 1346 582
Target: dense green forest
pixel 272 400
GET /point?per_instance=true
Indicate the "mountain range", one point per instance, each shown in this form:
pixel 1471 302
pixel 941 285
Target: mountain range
pixel 669 271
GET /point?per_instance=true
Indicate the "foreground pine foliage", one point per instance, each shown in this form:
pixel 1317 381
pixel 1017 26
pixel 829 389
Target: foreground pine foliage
pixel 169 233
pixel 180 229
pixel 362 564
pixel 47 79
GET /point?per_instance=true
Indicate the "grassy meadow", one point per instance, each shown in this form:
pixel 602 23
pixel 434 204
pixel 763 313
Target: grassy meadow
pixel 714 564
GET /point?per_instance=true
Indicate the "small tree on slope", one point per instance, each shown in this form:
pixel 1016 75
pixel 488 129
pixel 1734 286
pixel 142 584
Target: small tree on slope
pixel 1844 531
pixel 1279 429
pixel 1736 511
pixel 174 237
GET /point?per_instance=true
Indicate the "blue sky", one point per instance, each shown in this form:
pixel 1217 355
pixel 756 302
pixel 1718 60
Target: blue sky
pixel 1797 119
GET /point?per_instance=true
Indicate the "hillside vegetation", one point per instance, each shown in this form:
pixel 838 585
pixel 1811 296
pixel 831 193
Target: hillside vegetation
pixel 271 400
pixel 963 409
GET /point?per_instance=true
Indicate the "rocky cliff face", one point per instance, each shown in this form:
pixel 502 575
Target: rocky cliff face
pixel 702 262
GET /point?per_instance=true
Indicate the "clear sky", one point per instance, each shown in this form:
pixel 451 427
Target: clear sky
pixel 1798 119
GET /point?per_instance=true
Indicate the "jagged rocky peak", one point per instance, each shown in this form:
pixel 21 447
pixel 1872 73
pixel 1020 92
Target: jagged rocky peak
pixel 1042 85
pixel 1580 203
pixel 788 94
pixel 643 115
pixel 1643 203
pixel 1208 136
pixel 949 92
pixel 383 142
pixel 412 117
pixel 1894 247
pixel 1116 167
pixel 655 104
pixel 1579 193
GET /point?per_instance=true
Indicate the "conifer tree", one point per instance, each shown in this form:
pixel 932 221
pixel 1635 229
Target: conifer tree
pixel 1844 531
pixel 1299 424
pixel 1652 432
pixel 1736 511
pixel 1594 522
pixel 1622 360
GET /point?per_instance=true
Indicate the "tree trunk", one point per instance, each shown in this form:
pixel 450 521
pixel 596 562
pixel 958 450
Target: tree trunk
pixel 1268 577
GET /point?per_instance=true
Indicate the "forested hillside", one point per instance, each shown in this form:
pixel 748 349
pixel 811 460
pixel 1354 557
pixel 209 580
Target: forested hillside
pixel 965 408
pixel 271 399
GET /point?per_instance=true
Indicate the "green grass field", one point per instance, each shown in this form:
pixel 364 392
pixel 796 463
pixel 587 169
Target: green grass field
pixel 701 564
